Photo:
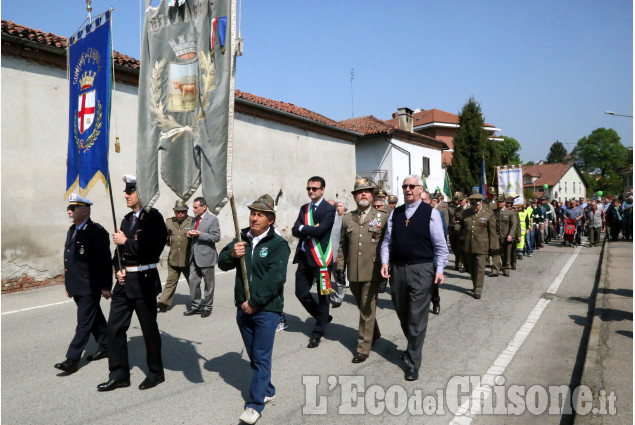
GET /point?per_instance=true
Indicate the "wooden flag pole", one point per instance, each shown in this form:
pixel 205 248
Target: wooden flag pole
pixel 114 219
pixel 243 265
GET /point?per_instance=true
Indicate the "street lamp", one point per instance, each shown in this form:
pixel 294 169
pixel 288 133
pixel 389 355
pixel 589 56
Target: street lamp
pixel 617 115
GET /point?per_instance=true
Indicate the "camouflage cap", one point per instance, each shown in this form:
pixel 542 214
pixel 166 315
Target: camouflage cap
pixel 180 205
pixel 392 199
pixel 362 184
pixel 263 203
pixel 491 190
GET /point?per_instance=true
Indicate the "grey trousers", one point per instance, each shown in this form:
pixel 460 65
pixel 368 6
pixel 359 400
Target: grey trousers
pixel 196 275
pixel 337 296
pixel 411 293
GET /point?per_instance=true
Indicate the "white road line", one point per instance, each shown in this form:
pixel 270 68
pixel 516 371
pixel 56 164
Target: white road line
pixel 36 307
pixel 474 404
pixel 65 302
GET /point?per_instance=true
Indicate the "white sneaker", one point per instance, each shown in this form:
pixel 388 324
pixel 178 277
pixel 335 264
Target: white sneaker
pixel 282 325
pixel 270 399
pixel 249 416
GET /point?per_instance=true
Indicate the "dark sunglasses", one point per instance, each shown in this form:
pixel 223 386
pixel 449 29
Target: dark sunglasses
pixel 377 206
pixel 409 186
pixel 71 208
pixel 312 189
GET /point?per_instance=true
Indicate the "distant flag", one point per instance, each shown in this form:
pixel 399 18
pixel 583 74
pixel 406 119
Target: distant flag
pixel 90 65
pixel 423 179
pixel 483 186
pixel 447 187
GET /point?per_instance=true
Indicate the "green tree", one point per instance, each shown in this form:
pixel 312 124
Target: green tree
pixel 530 163
pixel 508 151
pixel 557 153
pixel 601 151
pixel 470 147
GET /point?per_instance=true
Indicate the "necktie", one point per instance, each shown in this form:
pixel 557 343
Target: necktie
pixel 133 221
pixel 74 234
pixel 198 220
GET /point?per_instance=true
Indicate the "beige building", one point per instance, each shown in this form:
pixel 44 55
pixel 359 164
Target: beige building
pixel 277 146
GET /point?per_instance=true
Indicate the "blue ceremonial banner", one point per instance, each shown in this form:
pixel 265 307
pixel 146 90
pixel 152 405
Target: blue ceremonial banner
pixel 90 72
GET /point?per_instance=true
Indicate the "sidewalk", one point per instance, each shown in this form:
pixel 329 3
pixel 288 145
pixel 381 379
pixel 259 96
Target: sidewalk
pixel 609 359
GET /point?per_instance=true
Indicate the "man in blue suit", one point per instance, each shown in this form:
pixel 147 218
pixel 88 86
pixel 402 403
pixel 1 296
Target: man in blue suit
pixel 313 255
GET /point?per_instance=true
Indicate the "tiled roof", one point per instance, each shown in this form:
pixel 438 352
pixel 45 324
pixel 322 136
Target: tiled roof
pixel 367 125
pixel 52 40
pixel 546 173
pixel 430 116
pixel 287 107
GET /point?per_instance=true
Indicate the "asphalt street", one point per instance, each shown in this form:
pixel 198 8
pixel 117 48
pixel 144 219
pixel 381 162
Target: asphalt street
pixel 528 328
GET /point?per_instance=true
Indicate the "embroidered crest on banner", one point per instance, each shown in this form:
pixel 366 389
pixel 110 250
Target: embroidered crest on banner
pixel 88 116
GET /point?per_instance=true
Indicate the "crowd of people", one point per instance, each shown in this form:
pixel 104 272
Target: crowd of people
pixel 376 243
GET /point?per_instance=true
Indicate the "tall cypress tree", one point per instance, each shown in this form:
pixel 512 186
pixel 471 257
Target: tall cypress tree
pixel 470 147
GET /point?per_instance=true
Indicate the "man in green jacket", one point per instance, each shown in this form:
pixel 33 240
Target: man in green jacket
pixel 266 256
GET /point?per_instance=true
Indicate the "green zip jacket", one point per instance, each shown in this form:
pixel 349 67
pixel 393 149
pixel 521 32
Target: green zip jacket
pixel 266 270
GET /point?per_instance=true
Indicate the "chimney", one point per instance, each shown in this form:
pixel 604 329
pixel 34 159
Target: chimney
pixel 405 119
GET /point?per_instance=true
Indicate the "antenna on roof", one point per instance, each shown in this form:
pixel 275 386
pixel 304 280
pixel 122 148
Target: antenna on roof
pixel 352 98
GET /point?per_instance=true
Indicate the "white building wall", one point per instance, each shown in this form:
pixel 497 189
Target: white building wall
pixel 267 157
pixel 437 173
pixel 565 187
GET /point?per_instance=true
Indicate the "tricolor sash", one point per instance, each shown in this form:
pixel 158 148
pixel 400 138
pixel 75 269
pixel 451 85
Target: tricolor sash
pixel 322 257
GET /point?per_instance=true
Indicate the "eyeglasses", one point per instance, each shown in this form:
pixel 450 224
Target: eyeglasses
pixel 409 186
pixel 71 208
pixel 313 189
pixel 377 206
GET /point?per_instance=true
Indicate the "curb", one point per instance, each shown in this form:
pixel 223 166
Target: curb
pixel 592 371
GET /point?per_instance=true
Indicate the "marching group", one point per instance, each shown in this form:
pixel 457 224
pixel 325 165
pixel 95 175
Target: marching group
pixel 362 249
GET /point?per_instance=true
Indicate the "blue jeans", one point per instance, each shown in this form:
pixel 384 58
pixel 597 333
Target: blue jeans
pixel 529 241
pixel 258 331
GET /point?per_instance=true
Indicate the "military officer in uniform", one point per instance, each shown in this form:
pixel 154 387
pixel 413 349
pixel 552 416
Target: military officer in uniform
pixel 392 203
pixel 87 277
pixel 359 253
pixel 490 203
pixel 382 196
pixel 506 225
pixel 178 258
pixel 456 228
pixel 479 234
pixel 140 240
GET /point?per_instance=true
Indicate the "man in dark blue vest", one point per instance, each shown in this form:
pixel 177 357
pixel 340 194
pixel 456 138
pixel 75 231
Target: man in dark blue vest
pixel 415 246
pixel 313 256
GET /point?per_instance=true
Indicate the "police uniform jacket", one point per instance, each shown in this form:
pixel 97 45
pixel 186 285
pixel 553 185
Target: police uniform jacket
pixel 87 269
pixel 178 241
pixel 479 231
pixel 144 244
pixel 360 245
pixel 506 223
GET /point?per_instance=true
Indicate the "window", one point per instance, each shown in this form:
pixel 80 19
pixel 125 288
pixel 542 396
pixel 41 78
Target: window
pixel 573 187
pixel 565 187
pixel 426 166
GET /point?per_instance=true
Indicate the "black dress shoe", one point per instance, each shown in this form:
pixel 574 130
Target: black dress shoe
pixel 336 305
pixel 113 384
pixel 191 312
pixel 411 374
pixel 314 342
pixel 359 358
pixel 97 356
pixel 477 296
pixel 506 274
pixel 436 308
pixel 206 313
pixel 162 307
pixel 330 319
pixel 69 366
pixel 151 382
